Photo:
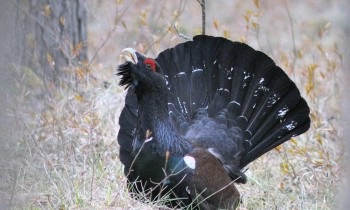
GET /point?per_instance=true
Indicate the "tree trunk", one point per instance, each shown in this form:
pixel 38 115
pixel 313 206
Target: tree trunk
pixel 55 35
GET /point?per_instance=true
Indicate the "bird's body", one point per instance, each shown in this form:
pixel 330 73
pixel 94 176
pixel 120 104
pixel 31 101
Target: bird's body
pixel 218 102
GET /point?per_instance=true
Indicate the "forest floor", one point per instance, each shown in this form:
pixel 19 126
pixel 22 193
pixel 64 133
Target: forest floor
pixel 66 150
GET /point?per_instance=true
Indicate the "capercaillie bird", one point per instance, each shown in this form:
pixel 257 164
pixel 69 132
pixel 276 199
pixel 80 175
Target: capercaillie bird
pixel 200 112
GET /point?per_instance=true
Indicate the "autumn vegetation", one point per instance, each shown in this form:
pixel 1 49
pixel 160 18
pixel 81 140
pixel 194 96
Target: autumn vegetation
pixel 68 153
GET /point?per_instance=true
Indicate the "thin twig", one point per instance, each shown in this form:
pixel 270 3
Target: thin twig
pixel 293 38
pixel 94 162
pixel 182 35
pixel 177 16
pixel 202 3
pixel 109 33
pixel 14 184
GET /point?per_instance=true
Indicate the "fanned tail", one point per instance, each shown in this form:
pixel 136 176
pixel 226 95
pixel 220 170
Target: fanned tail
pixel 230 77
pixel 238 86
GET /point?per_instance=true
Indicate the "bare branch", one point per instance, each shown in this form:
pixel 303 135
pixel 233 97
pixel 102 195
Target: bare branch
pixel 202 3
pixel 182 35
pixel 293 38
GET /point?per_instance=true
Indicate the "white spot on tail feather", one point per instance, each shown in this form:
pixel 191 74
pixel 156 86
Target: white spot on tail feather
pixel 282 112
pixel 223 89
pixel 190 162
pixel 291 125
pixel 196 70
pixel 272 100
pixel 235 102
pixel 180 104
pixel 185 108
pixel 263 88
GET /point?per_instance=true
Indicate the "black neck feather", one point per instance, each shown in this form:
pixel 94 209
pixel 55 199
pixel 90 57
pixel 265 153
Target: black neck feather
pixel 153 111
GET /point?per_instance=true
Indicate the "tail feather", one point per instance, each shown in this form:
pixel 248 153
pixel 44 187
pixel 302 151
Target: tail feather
pixel 219 101
pixel 295 124
pixel 258 96
pixel 256 92
pixel 199 92
pixel 278 98
pixel 237 85
pixel 292 124
pixel 272 115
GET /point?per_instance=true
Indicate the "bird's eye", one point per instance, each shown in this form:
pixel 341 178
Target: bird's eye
pixel 150 64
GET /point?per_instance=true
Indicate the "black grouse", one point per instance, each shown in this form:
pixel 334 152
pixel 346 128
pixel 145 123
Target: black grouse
pixel 197 114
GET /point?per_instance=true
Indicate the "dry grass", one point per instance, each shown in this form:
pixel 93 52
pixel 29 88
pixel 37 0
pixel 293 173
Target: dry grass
pixel 67 153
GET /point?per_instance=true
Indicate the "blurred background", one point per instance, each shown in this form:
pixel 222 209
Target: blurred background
pixel 60 98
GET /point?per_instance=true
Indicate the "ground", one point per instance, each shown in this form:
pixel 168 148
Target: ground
pixel 62 141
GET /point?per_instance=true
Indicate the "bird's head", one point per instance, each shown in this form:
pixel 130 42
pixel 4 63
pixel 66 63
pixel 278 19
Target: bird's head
pixel 139 70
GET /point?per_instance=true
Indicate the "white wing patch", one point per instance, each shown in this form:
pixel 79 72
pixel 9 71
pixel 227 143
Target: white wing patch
pixel 190 162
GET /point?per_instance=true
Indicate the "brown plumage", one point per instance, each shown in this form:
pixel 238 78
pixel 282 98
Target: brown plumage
pixel 210 184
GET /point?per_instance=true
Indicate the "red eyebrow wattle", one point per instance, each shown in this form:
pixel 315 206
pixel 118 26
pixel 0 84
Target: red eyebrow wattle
pixel 151 62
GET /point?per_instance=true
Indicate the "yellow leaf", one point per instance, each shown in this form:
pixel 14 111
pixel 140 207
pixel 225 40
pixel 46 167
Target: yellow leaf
pixel 284 167
pixel 77 48
pixel 293 141
pixel 49 57
pixel 87 119
pixel 324 29
pixel 79 72
pixel 243 39
pixel 123 24
pixel 257 3
pixel 247 15
pixel 50 60
pixel 47 10
pixel 255 25
pixel 78 97
pixel 281 186
pixel 62 21
pixel 31 41
pixel 300 54
pixel 311 74
pixel 312 67
pixel 319 139
pixel 279 148
pixel 318 162
pixel 226 33
pixel 143 18
pixel 119 2
pixel 216 24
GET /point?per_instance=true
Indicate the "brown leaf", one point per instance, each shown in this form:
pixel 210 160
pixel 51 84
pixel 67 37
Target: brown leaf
pixel 47 10
pixel 216 24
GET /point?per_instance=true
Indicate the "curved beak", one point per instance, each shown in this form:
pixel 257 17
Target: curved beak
pixel 129 54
